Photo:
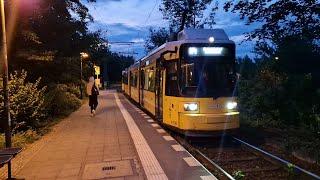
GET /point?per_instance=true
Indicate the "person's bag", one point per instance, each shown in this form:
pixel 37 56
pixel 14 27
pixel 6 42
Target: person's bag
pixel 94 91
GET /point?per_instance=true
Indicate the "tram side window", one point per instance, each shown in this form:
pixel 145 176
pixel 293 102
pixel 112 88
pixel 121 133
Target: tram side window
pixel 151 79
pixel 146 79
pixel 171 78
pixel 125 78
pixel 135 79
pixel 142 79
pixel 131 79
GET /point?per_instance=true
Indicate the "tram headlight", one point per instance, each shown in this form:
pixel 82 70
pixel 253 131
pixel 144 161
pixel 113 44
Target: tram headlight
pixel 190 107
pixel 232 105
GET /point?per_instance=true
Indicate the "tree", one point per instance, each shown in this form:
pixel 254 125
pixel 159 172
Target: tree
pixel 187 13
pixel 246 67
pixel 279 18
pixel 156 38
pixel 49 39
pixel 284 91
pixel 58 29
pixel 290 31
pixel 114 64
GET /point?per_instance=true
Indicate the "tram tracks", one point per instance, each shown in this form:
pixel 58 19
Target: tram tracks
pixel 232 158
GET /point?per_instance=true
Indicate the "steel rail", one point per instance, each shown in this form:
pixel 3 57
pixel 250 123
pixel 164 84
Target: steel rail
pixel 216 165
pixel 279 159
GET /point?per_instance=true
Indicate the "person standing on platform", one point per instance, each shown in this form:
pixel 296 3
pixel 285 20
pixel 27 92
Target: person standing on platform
pixel 93 93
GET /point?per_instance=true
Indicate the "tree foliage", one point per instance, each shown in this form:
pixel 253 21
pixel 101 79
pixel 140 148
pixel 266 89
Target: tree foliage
pixel 47 42
pixel 26 101
pixel 275 96
pixel 280 88
pixel 156 38
pixel 61 100
pixel 279 18
pixel 114 65
pixel 49 38
pixel 187 13
pixel 246 67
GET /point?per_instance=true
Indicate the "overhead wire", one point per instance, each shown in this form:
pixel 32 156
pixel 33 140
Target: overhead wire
pixel 94 7
pixel 141 27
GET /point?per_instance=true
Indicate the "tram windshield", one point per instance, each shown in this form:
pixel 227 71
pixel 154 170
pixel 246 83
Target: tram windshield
pixel 209 79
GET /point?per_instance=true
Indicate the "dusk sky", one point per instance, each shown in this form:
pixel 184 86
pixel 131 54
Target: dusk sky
pixel 129 21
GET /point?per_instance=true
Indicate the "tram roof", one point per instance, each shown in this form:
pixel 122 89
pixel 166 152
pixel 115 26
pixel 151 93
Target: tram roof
pixel 192 36
pixel 187 36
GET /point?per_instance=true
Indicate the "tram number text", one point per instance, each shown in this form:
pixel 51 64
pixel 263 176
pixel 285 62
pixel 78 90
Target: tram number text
pixel 214 106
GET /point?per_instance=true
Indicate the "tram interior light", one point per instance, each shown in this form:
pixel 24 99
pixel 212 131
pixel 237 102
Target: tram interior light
pixel 191 107
pixel 232 105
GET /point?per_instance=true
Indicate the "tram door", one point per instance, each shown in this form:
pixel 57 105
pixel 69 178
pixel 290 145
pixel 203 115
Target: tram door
pixel 130 82
pixel 159 89
pixel 142 76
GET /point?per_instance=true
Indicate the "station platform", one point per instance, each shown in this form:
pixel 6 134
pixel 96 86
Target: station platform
pixel 120 142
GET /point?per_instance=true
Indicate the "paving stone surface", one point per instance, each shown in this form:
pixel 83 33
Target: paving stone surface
pixel 77 141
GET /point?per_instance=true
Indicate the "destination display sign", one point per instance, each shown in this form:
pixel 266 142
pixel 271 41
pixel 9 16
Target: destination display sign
pixel 207 51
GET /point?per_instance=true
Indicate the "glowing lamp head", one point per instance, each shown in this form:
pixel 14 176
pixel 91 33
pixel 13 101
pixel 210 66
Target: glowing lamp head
pixel 211 39
pixel 84 55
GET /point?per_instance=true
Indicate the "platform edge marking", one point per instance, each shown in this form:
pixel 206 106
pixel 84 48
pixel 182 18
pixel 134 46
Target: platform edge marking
pixel 208 178
pixel 178 147
pixel 161 131
pixel 155 125
pixel 191 161
pixel 188 153
pixel 145 153
pixel 168 138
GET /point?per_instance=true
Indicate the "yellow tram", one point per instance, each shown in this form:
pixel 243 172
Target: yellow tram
pixel 188 84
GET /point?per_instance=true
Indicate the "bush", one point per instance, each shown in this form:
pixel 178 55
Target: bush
pixel 285 101
pixel 26 101
pixel 61 101
pixel 259 98
pixel 305 143
pixel 20 139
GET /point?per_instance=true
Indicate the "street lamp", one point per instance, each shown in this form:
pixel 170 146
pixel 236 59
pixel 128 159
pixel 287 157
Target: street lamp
pixel 82 55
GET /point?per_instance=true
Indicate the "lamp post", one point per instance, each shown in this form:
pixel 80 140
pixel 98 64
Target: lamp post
pixel 5 77
pixel 82 55
pixel 5 82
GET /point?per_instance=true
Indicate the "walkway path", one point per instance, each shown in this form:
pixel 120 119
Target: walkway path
pixel 80 146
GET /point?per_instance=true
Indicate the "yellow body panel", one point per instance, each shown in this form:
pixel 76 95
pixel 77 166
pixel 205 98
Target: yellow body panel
pixel 149 101
pixel 209 122
pixel 135 94
pixel 126 88
pixel 211 114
